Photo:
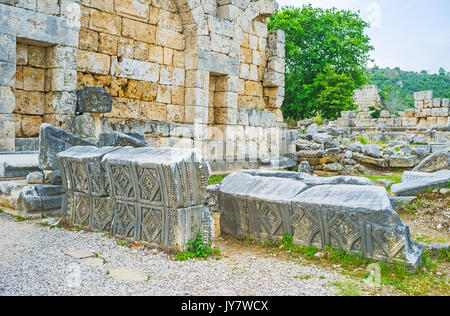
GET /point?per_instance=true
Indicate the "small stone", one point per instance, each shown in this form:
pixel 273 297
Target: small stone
pixel 444 191
pixel 93 262
pixel 48 221
pixel 385 183
pixel 305 167
pixel 128 274
pixel 81 253
pixel 36 177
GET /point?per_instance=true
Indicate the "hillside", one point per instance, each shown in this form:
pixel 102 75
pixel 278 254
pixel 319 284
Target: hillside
pixel 398 86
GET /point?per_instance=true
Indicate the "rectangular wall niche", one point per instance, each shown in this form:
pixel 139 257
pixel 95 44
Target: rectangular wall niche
pixel 31 69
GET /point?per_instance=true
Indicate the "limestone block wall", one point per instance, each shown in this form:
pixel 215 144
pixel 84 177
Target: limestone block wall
pixel 430 111
pixel 38 40
pixel 365 98
pixel 176 70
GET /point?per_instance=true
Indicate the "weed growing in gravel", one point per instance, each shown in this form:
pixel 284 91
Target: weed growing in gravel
pixel 122 243
pixel 198 248
pixel 20 218
pixel 1 210
pixel 43 224
pixel 303 277
pixel 423 281
pixel 444 255
pixel 346 288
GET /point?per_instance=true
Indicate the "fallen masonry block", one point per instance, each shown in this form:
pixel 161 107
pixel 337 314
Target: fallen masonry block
pixel 18 164
pixel 437 161
pixel 154 195
pixel 413 176
pixel 355 218
pixel 281 162
pixel 18 197
pixel 402 161
pixel 120 139
pixel 412 187
pixel 53 140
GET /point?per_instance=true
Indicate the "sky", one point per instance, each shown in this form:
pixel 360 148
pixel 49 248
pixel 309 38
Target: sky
pixel 411 34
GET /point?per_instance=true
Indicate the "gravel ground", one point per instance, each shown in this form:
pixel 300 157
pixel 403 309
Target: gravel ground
pixel 34 261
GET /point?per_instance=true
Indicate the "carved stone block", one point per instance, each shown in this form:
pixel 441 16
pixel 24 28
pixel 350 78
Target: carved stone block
pixel 154 195
pixel 353 217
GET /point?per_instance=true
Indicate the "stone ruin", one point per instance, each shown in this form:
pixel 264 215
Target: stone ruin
pixel 154 195
pixel 366 98
pixel 188 74
pixel 350 213
pixel 131 103
pixel 418 139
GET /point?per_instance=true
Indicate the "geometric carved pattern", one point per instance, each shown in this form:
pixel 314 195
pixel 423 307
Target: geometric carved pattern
pixel 79 177
pixel 122 181
pixel 149 185
pixel 97 179
pixel 268 219
pixel 81 209
pixel 125 214
pixel 305 228
pixel 344 231
pixel 388 244
pixel 138 198
pixel 102 214
pixel 152 225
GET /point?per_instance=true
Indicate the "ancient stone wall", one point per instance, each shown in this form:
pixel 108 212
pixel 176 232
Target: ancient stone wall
pixel 428 112
pixel 203 74
pixel 366 97
pixel 37 68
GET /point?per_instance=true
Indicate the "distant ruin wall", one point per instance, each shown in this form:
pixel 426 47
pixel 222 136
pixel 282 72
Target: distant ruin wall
pixel 365 98
pixel 428 111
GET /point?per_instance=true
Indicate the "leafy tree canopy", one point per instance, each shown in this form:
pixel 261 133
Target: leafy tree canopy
pixel 325 49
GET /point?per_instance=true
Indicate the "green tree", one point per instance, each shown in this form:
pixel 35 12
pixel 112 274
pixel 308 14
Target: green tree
pixel 317 39
pixel 334 93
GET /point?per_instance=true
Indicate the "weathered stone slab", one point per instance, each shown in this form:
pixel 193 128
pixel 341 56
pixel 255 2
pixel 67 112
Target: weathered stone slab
pixel 154 195
pixel 281 162
pixel 434 162
pixel 120 139
pixel 414 176
pixel 80 254
pixel 53 140
pixel 402 161
pixel 356 218
pixel 412 187
pixel 94 100
pixel 252 205
pixel 18 164
pixel 128 274
pixel 39 198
